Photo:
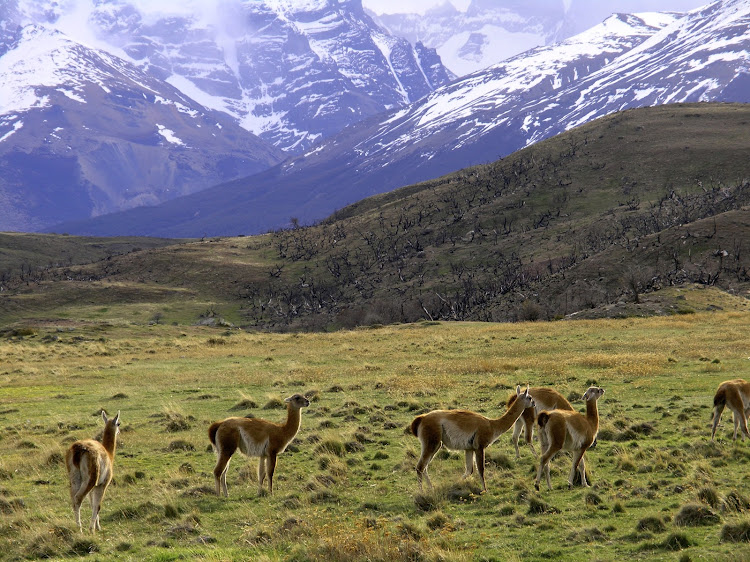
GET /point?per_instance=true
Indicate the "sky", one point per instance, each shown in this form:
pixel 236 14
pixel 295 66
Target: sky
pixel 420 6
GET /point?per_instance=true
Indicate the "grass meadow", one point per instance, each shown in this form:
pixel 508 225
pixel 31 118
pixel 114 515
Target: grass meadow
pixel 346 488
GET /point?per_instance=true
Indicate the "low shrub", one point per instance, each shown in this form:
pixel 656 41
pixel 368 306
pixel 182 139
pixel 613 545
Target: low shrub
pixel 693 515
pixel 736 533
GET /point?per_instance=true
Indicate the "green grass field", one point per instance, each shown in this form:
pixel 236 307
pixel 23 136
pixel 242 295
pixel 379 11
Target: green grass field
pixel 346 488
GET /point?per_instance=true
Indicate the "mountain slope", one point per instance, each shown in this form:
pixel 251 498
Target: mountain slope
pixel 567 225
pixel 83 133
pixel 290 71
pixel 473 120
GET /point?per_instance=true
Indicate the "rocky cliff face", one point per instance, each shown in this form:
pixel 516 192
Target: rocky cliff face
pixel 83 133
pixel 290 71
pixel 105 106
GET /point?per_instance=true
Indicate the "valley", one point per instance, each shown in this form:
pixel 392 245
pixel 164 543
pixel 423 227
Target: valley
pixel 346 489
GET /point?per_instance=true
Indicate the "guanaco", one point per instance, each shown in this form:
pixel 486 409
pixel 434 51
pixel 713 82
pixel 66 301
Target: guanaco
pixel 569 431
pixel 254 438
pixel 89 465
pixel 735 395
pixel 463 430
pixel 544 399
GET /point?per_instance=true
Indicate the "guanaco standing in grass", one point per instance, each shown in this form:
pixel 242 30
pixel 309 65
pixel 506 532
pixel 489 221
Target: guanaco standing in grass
pixel 544 399
pixel 463 430
pixel 254 438
pixel 734 395
pixel 90 465
pixel 569 431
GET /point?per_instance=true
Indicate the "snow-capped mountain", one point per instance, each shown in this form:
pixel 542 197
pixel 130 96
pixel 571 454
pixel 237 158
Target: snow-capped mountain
pixel 463 113
pixel 483 35
pixel 291 71
pixel 488 31
pixel 83 133
pixel 627 61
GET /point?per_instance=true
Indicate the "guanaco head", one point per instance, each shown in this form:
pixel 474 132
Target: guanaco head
pixel 114 422
pixel 528 401
pixel 593 393
pixel 297 401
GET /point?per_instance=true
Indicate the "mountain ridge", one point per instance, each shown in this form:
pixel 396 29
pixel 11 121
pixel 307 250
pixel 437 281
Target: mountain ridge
pixel 475 120
pixel 291 73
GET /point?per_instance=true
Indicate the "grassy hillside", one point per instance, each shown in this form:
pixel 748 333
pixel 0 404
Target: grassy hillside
pixel 589 220
pixel 346 489
pixel 24 255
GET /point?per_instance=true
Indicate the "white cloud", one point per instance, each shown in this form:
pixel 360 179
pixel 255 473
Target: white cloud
pixel 410 6
pixel 420 6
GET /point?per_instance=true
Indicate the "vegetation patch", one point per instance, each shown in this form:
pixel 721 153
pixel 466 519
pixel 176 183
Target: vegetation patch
pixel 676 541
pixel 736 533
pixel 651 524
pixel 694 515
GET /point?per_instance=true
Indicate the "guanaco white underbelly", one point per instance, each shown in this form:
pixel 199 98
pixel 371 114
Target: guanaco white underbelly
pixel 457 439
pixel 573 439
pixel 250 448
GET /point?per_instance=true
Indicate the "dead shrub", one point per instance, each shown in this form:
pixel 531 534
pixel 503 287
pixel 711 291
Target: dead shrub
pixel 428 502
pixel 331 447
pixel 180 445
pixel 245 404
pixel 588 535
pixel 652 524
pixel 676 541
pixel 438 521
pixel 693 515
pixel 734 501
pixel 274 404
pixel 736 533
pixel 592 498
pixel 465 491
pixel 709 496
pixel 539 507
pixel 82 547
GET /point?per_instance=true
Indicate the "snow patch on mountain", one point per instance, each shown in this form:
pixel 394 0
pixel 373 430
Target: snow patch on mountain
pixel 469 51
pixel 290 71
pixel 497 90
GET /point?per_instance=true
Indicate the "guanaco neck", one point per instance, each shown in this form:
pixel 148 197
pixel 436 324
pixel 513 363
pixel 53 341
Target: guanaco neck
pixel 502 424
pixel 109 440
pixel 592 415
pixel 293 421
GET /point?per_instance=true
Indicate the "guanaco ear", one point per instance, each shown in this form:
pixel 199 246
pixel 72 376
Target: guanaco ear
pixel 527 389
pixel 104 416
pixel 518 390
pixel 117 418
